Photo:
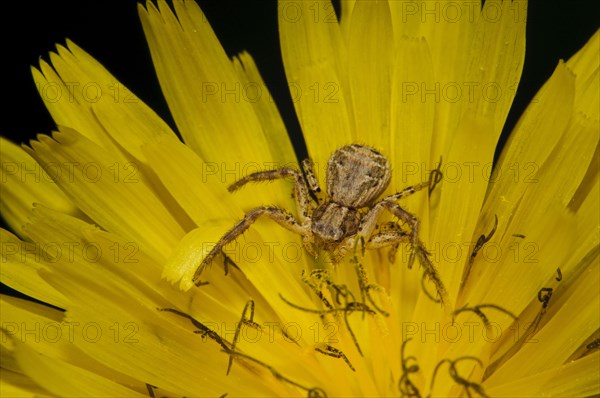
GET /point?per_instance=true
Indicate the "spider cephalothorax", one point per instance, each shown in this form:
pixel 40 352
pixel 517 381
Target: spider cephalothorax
pixel 356 176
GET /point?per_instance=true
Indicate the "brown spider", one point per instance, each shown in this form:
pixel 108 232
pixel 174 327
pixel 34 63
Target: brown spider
pixel 356 176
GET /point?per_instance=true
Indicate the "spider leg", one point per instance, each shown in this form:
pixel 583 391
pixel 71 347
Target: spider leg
pixel 303 200
pixel 313 183
pixel 392 237
pixel 405 192
pixel 280 216
pixel 369 221
pixel 368 225
pixel 414 223
pixel 418 248
pixel 389 202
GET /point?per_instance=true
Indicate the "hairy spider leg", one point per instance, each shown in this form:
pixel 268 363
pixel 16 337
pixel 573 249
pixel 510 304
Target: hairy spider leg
pixel 418 248
pixel 280 216
pixel 369 221
pixel 303 201
pixel 390 237
pixel 311 179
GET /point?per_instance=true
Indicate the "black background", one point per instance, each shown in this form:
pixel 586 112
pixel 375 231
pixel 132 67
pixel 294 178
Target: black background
pixel 111 32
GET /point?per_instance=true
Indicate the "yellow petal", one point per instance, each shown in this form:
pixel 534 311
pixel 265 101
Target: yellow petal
pixel 587 221
pixel 549 193
pixel 112 193
pixel 120 324
pixel 20 264
pixel 411 129
pixel 45 331
pixel 79 92
pixel 39 326
pixel 311 47
pixel 370 56
pixel 197 186
pixel 129 330
pixel 496 60
pixel 64 379
pixel 412 116
pixel 204 93
pixel 573 379
pixel 577 148
pixel 483 81
pixel 14 384
pixel 564 332
pixel 462 194
pixel 256 93
pixel 544 121
pixel 516 268
pixel 25 182
pixel 65 109
pixel 347 6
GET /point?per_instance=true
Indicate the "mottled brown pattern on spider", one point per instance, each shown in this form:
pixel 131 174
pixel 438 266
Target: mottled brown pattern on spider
pixel 356 176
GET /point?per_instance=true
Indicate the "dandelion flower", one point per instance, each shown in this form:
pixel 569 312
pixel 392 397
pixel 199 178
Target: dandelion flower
pixel 123 212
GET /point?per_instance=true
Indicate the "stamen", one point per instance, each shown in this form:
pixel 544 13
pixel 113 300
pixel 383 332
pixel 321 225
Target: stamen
pixel 544 296
pixel 405 385
pixel 229 348
pixel 435 177
pixel 227 261
pixel 316 274
pixel 468 385
pixel 202 329
pixel 347 306
pixel 285 334
pixel 335 353
pixel 589 346
pixel 477 311
pixel 314 392
pixel 245 320
pixel 483 239
pixel 151 390
pixel 363 281
pixel 594 345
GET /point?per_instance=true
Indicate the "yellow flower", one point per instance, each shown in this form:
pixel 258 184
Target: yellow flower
pixel 113 214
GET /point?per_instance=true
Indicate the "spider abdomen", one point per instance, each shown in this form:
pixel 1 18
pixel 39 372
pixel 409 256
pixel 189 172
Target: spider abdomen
pixel 357 175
